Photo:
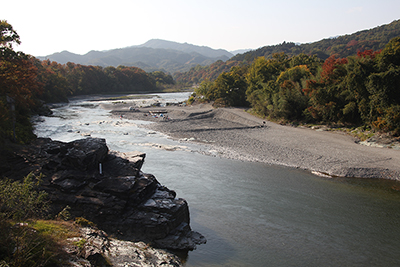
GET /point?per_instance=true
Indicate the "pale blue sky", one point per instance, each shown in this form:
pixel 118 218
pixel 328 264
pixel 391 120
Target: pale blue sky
pixel 52 26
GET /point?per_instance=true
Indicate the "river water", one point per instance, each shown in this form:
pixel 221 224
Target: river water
pixel 252 214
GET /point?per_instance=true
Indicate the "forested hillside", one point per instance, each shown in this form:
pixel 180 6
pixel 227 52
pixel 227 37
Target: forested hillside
pixel 342 46
pixel 363 89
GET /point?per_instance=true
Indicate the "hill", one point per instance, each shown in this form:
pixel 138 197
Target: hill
pixel 151 56
pixel 343 46
pixel 187 48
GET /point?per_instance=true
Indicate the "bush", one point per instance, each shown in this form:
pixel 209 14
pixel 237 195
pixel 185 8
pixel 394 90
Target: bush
pixel 190 100
pixel 390 121
pixel 20 201
pixel 84 222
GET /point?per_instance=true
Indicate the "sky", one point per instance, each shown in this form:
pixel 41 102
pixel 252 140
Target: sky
pixel 46 27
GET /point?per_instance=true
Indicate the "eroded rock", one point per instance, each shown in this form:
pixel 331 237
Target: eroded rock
pixel 111 191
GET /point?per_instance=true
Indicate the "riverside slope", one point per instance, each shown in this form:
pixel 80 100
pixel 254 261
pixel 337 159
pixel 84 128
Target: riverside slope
pixel 234 133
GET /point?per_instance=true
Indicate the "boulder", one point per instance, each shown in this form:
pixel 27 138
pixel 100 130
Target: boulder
pixel 111 191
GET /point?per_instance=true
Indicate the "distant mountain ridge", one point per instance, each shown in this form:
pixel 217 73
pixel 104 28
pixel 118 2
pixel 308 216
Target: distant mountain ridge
pixel 187 48
pixel 173 57
pixel 342 46
pixel 153 55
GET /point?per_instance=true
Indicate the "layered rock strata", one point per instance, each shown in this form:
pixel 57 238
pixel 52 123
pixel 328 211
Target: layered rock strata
pixel 109 189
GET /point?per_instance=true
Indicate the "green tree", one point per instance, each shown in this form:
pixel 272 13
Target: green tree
pixel 290 101
pixel 204 88
pixel 384 89
pixel 8 36
pixel 326 99
pixel 260 78
pixel 228 89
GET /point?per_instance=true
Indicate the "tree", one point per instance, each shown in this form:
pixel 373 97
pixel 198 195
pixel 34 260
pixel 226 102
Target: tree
pixel 259 76
pixel 326 98
pixel 8 36
pixel 290 102
pixel 19 87
pixel 384 87
pixel 55 84
pixel 227 90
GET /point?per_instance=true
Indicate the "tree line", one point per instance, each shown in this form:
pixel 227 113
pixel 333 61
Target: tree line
pixel 61 81
pixel 26 83
pixel 363 89
pixel 342 46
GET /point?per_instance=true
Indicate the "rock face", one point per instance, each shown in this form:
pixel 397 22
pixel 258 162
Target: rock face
pixel 99 248
pixel 112 192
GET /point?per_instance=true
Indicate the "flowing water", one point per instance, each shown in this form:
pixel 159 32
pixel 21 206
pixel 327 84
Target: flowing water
pixel 252 214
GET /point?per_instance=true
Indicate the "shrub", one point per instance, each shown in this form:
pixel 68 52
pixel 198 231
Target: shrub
pixel 20 201
pixel 84 222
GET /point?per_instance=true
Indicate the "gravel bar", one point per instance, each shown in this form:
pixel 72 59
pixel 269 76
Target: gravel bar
pixel 234 133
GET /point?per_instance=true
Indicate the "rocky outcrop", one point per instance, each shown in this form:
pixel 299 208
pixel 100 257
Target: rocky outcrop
pixel 109 189
pixel 98 249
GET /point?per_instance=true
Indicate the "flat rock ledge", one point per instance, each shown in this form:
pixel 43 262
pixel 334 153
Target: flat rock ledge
pixel 109 189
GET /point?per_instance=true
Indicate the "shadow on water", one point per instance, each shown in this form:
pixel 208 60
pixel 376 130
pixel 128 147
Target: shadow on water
pixel 372 185
pixel 219 254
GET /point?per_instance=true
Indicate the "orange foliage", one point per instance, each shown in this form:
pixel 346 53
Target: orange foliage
pixel 330 65
pixel 18 80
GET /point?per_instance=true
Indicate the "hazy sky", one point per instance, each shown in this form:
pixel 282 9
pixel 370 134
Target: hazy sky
pixel 52 26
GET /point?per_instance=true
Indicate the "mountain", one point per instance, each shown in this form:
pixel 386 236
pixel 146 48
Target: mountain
pixel 187 48
pixel 343 46
pixel 153 55
pixel 240 51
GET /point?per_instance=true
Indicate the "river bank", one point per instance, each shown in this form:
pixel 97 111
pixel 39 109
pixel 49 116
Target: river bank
pixel 235 134
pixel 252 213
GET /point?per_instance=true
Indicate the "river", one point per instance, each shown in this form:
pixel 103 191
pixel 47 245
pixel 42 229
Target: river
pixel 252 214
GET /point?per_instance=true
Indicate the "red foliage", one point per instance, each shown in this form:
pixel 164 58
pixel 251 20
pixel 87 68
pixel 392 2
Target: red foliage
pixel 368 53
pixel 330 65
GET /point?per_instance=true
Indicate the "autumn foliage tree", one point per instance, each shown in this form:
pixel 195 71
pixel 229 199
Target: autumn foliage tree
pixel 325 92
pixel 19 87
